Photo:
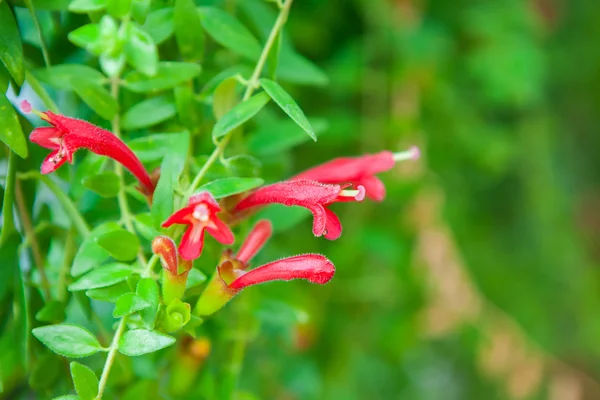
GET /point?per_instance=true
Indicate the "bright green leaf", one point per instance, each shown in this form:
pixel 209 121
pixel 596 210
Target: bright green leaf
pixel 139 10
pixel 168 75
pixel 105 184
pixel 195 278
pixel 97 97
pixel 87 6
pixel 239 114
pixel 10 128
pixel 128 304
pixel 229 186
pixel 120 244
pixel 147 289
pixel 229 32
pixel 288 105
pixel 106 275
pixel 140 341
pixel 148 113
pixel 87 37
pixel 59 76
pixel 141 52
pixel 85 381
pixel 109 294
pixel 190 39
pixel 11 50
pixel 53 311
pixel 159 24
pixel 225 97
pixel 118 8
pixel 91 255
pixel 68 340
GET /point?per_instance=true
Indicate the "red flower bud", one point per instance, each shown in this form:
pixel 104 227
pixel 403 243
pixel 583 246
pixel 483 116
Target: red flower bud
pixel 255 240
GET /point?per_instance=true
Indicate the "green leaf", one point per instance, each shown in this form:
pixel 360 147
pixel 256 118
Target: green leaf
pixel 288 105
pixel 229 186
pixel 148 113
pixel 87 37
pixel 168 75
pixel 225 97
pixel 68 340
pixel 139 10
pixel 140 341
pixel 190 39
pixel 160 25
pixel 109 294
pixel 96 97
pixel 53 311
pixel 67 397
pixel 101 277
pixel 10 129
pixel 295 68
pixel 87 6
pixel 239 114
pixel 45 371
pixel 85 381
pixel 156 146
pixel 8 200
pixel 51 5
pixel 11 50
pixel 105 184
pixel 128 304
pixel 281 135
pixel 120 244
pixel 145 227
pixel 229 32
pixel 89 254
pixel 118 8
pixel 59 76
pixel 187 108
pixel 195 278
pixel 147 289
pixel 141 52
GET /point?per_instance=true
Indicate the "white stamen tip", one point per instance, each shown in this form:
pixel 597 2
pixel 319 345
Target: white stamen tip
pixel 361 193
pixel 415 153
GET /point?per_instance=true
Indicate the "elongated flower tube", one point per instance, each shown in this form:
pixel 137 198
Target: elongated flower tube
pixel 256 239
pixel 67 135
pixel 200 214
pixel 175 269
pixel 310 194
pixel 359 170
pixel 229 280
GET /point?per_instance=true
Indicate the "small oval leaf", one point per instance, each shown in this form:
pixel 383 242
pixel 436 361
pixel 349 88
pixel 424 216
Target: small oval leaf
pixel 168 75
pixel 141 52
pixel 101 277
pixel 96 97
pixel 85 381
pixel 239 114
pixel 105 184
pixel 140 341
pixel 190 39
pixel 68 340
pixel 120 244
pixel 89 254
pixel 229 186
pixel 10 129
pixel 128 304
pixel 148 113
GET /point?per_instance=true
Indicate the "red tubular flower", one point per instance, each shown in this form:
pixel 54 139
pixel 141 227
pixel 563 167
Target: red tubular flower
pixel 255 240
pixel 310 194
pixel 359 170
pixel 199 214
pixel 67 135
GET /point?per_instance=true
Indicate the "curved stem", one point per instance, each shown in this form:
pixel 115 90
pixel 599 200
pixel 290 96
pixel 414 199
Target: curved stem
pixel 38 27
pixel 112 352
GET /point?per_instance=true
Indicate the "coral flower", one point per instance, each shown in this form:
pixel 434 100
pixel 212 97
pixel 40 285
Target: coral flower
pixel 199 214
pixel 67 135
pixel 359 170
pixel 231 277
pixel 310 194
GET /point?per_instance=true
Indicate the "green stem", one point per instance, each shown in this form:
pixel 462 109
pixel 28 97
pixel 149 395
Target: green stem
pixel 38 27
pixel 62 198
pixel 112 352
pixel 252 84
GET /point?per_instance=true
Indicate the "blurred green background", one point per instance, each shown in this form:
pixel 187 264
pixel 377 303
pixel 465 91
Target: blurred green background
pixel 477 277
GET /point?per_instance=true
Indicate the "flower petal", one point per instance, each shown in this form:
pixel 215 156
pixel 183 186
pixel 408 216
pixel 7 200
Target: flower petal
pixel 220 231
pixel 206 198
pixel 255 240
pixel 183 216
pixel 52 162
pixel 375 189
pixel 47 137
pixel 333 225
pixel 192 242
pixel 319 219
pixel 313 267
pixel 164 247
pixel 349 169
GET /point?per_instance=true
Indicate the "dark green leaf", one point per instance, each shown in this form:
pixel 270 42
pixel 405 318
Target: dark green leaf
pixel 68 340
pixel 86 6
pixel 288 105
pixel 120 244
pixel 168 75
pixel 128 304
pixel 187 108
pixel 59 76
pixel 97 97
pixel 4 78
pixel 118 8
pixel 101 277
pixel 229 32
pixel 281 135
pixel 190 39
pixel 91 255
pixel 109 294
pixel 53 311
pixel 147 289
pixel 8 200
pixel 141 52
pixel 11 50
pixel 225 97
pixel 10 128
pixel 85 381
pixel 140 341
pixel 52 5
pixel 106 184
pixel 45 371
pixel 148 113
pixel 239 114
pixel 229 186
pixel 159 24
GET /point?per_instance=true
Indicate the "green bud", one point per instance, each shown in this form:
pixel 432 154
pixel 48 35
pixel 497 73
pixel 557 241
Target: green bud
pixel 176 316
